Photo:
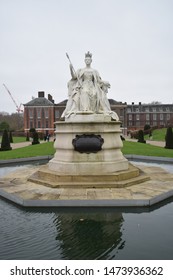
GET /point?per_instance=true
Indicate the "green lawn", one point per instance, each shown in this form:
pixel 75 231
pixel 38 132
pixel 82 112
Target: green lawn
pixel 17 139
pixel 29 151
pixel 47 148
pixel 136 148
pixel 158 134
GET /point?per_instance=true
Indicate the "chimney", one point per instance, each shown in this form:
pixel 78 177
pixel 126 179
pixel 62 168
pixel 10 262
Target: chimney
pixel 139 103
pixel 41 94
pixel 50 97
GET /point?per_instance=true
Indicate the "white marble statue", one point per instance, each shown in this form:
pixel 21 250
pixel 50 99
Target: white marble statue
pixel 87 92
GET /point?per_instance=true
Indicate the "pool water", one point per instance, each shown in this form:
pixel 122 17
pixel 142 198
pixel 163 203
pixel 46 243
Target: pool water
pixel 107 233
pixel 87 233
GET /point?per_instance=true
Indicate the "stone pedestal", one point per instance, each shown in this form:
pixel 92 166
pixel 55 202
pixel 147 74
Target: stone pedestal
pixel 88 144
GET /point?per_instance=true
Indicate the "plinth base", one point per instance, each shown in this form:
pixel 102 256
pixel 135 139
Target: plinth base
pixel 119 179
pixel 88 145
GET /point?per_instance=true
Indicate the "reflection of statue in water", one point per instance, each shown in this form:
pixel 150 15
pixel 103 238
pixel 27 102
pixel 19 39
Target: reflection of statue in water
pixel 87 92
pixel 90 234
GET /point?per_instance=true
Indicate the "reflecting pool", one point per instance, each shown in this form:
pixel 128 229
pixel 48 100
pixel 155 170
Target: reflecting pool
pixel 89 233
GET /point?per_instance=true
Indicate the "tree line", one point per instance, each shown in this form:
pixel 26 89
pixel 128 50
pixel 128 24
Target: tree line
pixel 13 122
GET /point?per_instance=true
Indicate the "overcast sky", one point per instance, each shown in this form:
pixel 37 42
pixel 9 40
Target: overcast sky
pixel 131 42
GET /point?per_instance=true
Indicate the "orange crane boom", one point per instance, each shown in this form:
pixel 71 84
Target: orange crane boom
pixel 18 108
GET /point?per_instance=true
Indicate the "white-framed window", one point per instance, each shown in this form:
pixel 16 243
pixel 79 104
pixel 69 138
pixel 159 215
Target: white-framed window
pixel 130 117
pixel 39 113
pixel 31 124
pixel 30 113
pixel 137 117
pixel 47 124
pixel 39 124
pixel 147 117
pixel 46 113
pixel 161 117
pixel 154 117
pixel 168 117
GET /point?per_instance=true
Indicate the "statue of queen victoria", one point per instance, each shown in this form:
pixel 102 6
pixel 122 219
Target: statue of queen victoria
pixel 87 92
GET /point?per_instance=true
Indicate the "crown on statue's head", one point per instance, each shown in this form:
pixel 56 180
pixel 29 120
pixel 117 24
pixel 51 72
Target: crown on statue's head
pixel 88 54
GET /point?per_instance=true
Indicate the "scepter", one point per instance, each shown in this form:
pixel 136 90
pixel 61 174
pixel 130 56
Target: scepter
pixel 73 69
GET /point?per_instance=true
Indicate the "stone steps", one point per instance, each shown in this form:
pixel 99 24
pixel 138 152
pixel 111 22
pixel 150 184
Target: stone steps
pixel 83 182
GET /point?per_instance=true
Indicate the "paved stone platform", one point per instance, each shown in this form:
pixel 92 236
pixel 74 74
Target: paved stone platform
pixel 16 188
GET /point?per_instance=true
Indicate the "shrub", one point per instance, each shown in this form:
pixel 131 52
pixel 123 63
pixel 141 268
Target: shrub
pixel 147 127
pixel 41 135
pixel 5 144
pixel 10 137
pixel 32 130
pixel 134 134
pixel 27 136
pixel 169 138
pixel 141 136
pixel 35 138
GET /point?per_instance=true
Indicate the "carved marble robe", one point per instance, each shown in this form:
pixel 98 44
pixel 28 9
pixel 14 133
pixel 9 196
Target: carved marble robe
pixel 88 92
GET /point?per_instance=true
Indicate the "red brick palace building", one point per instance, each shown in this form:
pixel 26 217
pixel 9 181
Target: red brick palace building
pixel 155 114
pixel 41 113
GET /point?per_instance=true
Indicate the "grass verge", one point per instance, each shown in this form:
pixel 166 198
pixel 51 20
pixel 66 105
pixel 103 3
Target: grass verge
pixel 19 139
pixel 158 134
pixel 136 148
pixel 16 139
pixel 44 149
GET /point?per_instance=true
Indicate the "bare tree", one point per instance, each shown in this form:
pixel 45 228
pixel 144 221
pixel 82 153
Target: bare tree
pixel 15 120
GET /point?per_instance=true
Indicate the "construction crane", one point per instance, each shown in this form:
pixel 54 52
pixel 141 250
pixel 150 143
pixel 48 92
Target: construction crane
pixel 18 108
